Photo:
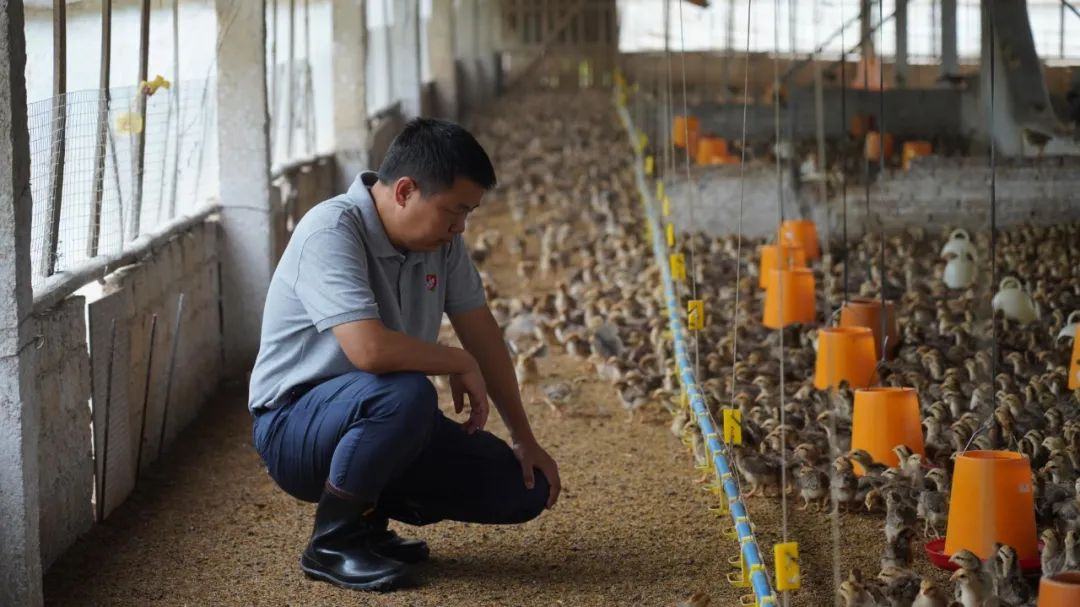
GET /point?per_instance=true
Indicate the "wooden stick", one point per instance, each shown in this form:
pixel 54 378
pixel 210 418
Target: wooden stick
pixel 58 134
pixel 104 453
pixel 102 129
pixel 146 397
pixel 169 375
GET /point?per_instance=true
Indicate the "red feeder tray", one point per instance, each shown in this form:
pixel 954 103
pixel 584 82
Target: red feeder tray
pixel 935 551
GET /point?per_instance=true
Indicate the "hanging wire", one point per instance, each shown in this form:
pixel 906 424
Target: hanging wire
pixel 993 230
pixel 884 336
pixel 742 196
pixel 780 281
pixel 691 189
pixel 844 128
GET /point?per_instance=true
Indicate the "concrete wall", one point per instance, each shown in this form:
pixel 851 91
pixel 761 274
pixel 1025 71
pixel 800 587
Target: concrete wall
pixel 935 193
pixel 70 369
pixel 62 387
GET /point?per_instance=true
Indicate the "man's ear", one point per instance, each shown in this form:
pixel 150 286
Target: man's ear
pixel 403 188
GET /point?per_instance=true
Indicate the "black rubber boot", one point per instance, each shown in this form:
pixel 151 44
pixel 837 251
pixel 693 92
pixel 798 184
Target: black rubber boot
pixel 341 551
pixel 391 545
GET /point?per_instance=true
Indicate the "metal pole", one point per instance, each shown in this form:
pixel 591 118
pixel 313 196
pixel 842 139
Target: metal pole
pixel 102 130
pixel 56 163
pixel 105 439
pixel 175 107
pixel 146 396
pixel 290 83
pixel 140 141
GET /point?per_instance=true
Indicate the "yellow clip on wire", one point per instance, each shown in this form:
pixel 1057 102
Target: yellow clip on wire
pixel 669 229
pixel 732 426
pixel 643 142
pixel 659 189
pixel 787 566
pixel 678 267
pixel 665 207
pixel 649 165
pixel 695 314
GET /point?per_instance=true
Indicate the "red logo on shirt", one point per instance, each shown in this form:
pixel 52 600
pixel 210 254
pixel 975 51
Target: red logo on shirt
pixel 432 281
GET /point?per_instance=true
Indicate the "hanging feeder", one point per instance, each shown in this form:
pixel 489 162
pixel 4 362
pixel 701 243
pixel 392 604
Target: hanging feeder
pixel 801 233
pixel 681 127
pixel 1069 330
pixel 884 418
pixel 1014 301
pixel 845 354
pixel 1061 590
pixel 959 242
pixel 914 149
pixel 993 500
pixel 960 270
pixel 866 312
pixel 711 150
pixel 873 146
pixel 796 288
pixel 779 257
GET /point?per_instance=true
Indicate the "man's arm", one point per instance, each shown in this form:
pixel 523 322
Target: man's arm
pixel 371 347
pixel 480 334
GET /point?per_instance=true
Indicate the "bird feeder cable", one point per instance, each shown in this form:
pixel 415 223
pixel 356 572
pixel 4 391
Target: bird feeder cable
pixel 993 230
pixel 691 189
pixel 881 174
pixel 780 281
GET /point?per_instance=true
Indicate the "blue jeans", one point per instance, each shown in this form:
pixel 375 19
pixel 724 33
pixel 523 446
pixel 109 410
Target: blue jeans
pixel 381 439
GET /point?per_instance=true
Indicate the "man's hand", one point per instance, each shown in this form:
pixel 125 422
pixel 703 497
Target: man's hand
pixel 472 383
pixel 531 454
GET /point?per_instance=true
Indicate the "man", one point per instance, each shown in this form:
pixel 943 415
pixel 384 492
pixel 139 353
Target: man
pixel 344 412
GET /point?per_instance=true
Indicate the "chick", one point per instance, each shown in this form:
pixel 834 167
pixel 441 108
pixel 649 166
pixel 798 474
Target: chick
pixel 1053 554
pixel 898 551
pixel 758 470
pixel 1072 551
pixel 933 506
pixel 697 599
pixel 844 482
pixel 971 590
pixel 930 595
pixel 1009 584
pixel 813 486
pixel 901 585
pixel 900 513
pixel 558 393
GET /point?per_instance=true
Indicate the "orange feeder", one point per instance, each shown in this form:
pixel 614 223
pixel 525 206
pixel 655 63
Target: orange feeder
pixel 845 353
pixel 873 146
pixel 682 126
pixel 993 500
pixel 802 233
pixel 859 124
pixel 883 419
pixel 1061 590
pixel 1074 364
pixel 866 312
pixel 779 257
pixel 914 149
pixel 710 150
pixel 796 288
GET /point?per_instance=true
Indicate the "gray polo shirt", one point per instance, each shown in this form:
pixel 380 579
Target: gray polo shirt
pixel 339 267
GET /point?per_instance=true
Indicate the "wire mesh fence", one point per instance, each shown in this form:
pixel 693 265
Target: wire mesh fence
pixel 92 194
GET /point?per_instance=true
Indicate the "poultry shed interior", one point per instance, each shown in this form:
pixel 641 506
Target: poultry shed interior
pixel 791 293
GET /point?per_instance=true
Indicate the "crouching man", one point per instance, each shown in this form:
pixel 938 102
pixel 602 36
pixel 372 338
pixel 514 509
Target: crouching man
pixel 344 413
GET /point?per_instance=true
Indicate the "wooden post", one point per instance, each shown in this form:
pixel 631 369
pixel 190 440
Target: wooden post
pixel 140 141
pixel 102 129
pixel 59 126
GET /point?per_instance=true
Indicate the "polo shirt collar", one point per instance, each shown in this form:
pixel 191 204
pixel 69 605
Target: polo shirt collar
pixel 377 239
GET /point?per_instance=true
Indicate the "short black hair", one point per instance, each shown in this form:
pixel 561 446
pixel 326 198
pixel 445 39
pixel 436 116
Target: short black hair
pixel 434 153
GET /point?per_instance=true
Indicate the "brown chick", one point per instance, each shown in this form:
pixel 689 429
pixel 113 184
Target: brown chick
pixel 697 599
pixel 813 486
pixel 930 595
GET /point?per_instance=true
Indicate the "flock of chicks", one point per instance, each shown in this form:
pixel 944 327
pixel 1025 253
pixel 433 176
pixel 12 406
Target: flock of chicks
pixel 585 239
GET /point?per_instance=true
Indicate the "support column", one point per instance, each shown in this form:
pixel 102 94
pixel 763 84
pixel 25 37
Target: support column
pixel 901 64
pixel 20 544
pixel 441 46
pixel 866 25
pixel 247 211
pixel 350 89
pixel 950 64
pixel 405 35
